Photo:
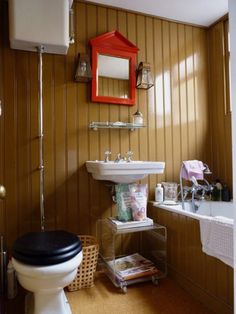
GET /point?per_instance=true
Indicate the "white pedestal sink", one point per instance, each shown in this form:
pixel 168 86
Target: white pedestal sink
pixel 123 172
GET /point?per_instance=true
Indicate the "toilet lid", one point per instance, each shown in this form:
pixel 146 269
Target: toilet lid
pixel 46 248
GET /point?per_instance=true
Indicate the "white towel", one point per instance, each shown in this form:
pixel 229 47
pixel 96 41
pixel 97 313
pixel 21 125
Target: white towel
pixel 217 239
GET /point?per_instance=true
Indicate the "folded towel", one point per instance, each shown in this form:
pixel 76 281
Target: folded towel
pixel 217 239
pixel 224 220
pixel 192 168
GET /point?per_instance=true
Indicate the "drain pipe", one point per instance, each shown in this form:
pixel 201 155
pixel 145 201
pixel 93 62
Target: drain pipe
pixel 40 50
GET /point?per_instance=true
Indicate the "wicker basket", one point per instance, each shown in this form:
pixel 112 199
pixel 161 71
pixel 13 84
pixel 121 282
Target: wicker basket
pixel 85 274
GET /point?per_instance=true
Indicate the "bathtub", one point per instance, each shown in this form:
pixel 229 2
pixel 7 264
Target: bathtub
pixel 206 209
pixel 216 226
pixel 198 272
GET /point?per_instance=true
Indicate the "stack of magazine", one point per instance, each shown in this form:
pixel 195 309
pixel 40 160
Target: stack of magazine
pixel 130 224
pixel 132 267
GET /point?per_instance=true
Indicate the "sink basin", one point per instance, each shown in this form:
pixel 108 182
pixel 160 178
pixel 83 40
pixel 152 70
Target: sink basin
pixel 123 172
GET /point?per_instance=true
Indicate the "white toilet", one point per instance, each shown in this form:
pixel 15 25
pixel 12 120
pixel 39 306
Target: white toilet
pixel 45 263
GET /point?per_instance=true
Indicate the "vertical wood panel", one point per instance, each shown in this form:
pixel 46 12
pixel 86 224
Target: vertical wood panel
pixel 159 96
pixel 182 93
pixel 221 148
pixel 49 139
pixel 176 158
pixel 34 150
pixel 201 81
pixel 10 151
pixel 167 92
pixel 190 93
pixel 23 119
pixel 60 140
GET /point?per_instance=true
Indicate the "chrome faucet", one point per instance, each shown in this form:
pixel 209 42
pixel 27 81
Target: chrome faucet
pixel 119 158
pixel 107 154
pixel 129 155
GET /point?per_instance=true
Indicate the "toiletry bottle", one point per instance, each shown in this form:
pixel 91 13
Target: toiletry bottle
pixel 159 193
pixel 225 194
pixel 219 187
pixel 138 118
pixel 11 281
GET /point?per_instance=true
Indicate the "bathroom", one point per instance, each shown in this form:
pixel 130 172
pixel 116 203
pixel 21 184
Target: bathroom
pixel 187 116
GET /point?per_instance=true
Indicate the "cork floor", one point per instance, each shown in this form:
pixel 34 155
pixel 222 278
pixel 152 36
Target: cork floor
pixel 141 298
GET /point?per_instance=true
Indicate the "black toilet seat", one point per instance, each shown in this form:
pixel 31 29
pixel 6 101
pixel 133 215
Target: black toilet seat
pixel 46 248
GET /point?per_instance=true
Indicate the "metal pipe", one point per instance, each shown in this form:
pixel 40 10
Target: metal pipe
pixel 71 30
pixel 40 50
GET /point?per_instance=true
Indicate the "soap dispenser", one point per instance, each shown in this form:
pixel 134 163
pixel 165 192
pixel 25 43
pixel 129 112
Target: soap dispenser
pixel 159 193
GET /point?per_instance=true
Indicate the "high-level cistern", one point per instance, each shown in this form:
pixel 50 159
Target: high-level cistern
pixel 194 171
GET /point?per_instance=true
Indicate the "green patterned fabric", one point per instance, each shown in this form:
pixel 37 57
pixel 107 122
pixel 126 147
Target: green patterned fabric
pixel 123 201
pixel 131 201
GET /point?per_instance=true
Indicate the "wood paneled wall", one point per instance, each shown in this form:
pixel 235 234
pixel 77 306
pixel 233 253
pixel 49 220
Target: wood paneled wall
pixel 207 278
pixel 113 87
pixel 175 112
pixel 219 103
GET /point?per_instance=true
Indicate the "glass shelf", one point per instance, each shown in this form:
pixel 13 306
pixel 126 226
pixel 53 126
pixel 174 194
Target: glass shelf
pixel 115 125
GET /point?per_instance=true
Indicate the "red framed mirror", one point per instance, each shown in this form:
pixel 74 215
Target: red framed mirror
pixel 113 69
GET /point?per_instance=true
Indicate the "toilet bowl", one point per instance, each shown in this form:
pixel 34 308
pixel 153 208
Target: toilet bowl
pixel 45 263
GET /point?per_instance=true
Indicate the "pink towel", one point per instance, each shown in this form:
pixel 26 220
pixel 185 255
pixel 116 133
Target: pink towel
pixel 192 168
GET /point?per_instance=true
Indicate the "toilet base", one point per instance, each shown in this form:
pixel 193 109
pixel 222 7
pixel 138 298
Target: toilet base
pixel 47 303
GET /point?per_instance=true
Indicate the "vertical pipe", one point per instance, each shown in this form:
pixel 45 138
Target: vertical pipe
pixel 40 130
pixel 71 24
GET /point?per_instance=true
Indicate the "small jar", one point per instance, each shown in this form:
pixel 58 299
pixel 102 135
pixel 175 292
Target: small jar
pixel 137 118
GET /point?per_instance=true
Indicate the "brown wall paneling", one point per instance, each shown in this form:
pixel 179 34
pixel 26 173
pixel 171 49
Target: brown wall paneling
pixel 207 278
pixel 179 125
pixel 113 87
pixel 174 109
pixel 219 113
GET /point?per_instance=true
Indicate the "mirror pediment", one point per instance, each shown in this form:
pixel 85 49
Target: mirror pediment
pixel 114 69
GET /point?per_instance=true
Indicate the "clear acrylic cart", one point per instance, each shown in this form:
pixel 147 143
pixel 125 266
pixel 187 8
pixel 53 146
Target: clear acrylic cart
pixel 149 241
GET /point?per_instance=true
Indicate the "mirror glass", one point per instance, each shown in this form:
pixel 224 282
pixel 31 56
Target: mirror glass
pixel 113 77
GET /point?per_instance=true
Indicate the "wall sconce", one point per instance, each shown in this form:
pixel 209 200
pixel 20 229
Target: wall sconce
pixel 144 77
pixel 83 70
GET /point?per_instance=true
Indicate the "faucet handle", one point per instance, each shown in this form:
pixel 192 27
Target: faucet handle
pixel 129 154
pixel 107 153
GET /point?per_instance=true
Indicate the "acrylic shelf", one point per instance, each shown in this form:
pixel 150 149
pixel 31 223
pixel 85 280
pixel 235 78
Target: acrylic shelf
pixel 149 241
pixel 115 125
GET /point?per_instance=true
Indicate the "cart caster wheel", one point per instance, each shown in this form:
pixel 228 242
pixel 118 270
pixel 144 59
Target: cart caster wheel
pixel 155 281
pixel 124 289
